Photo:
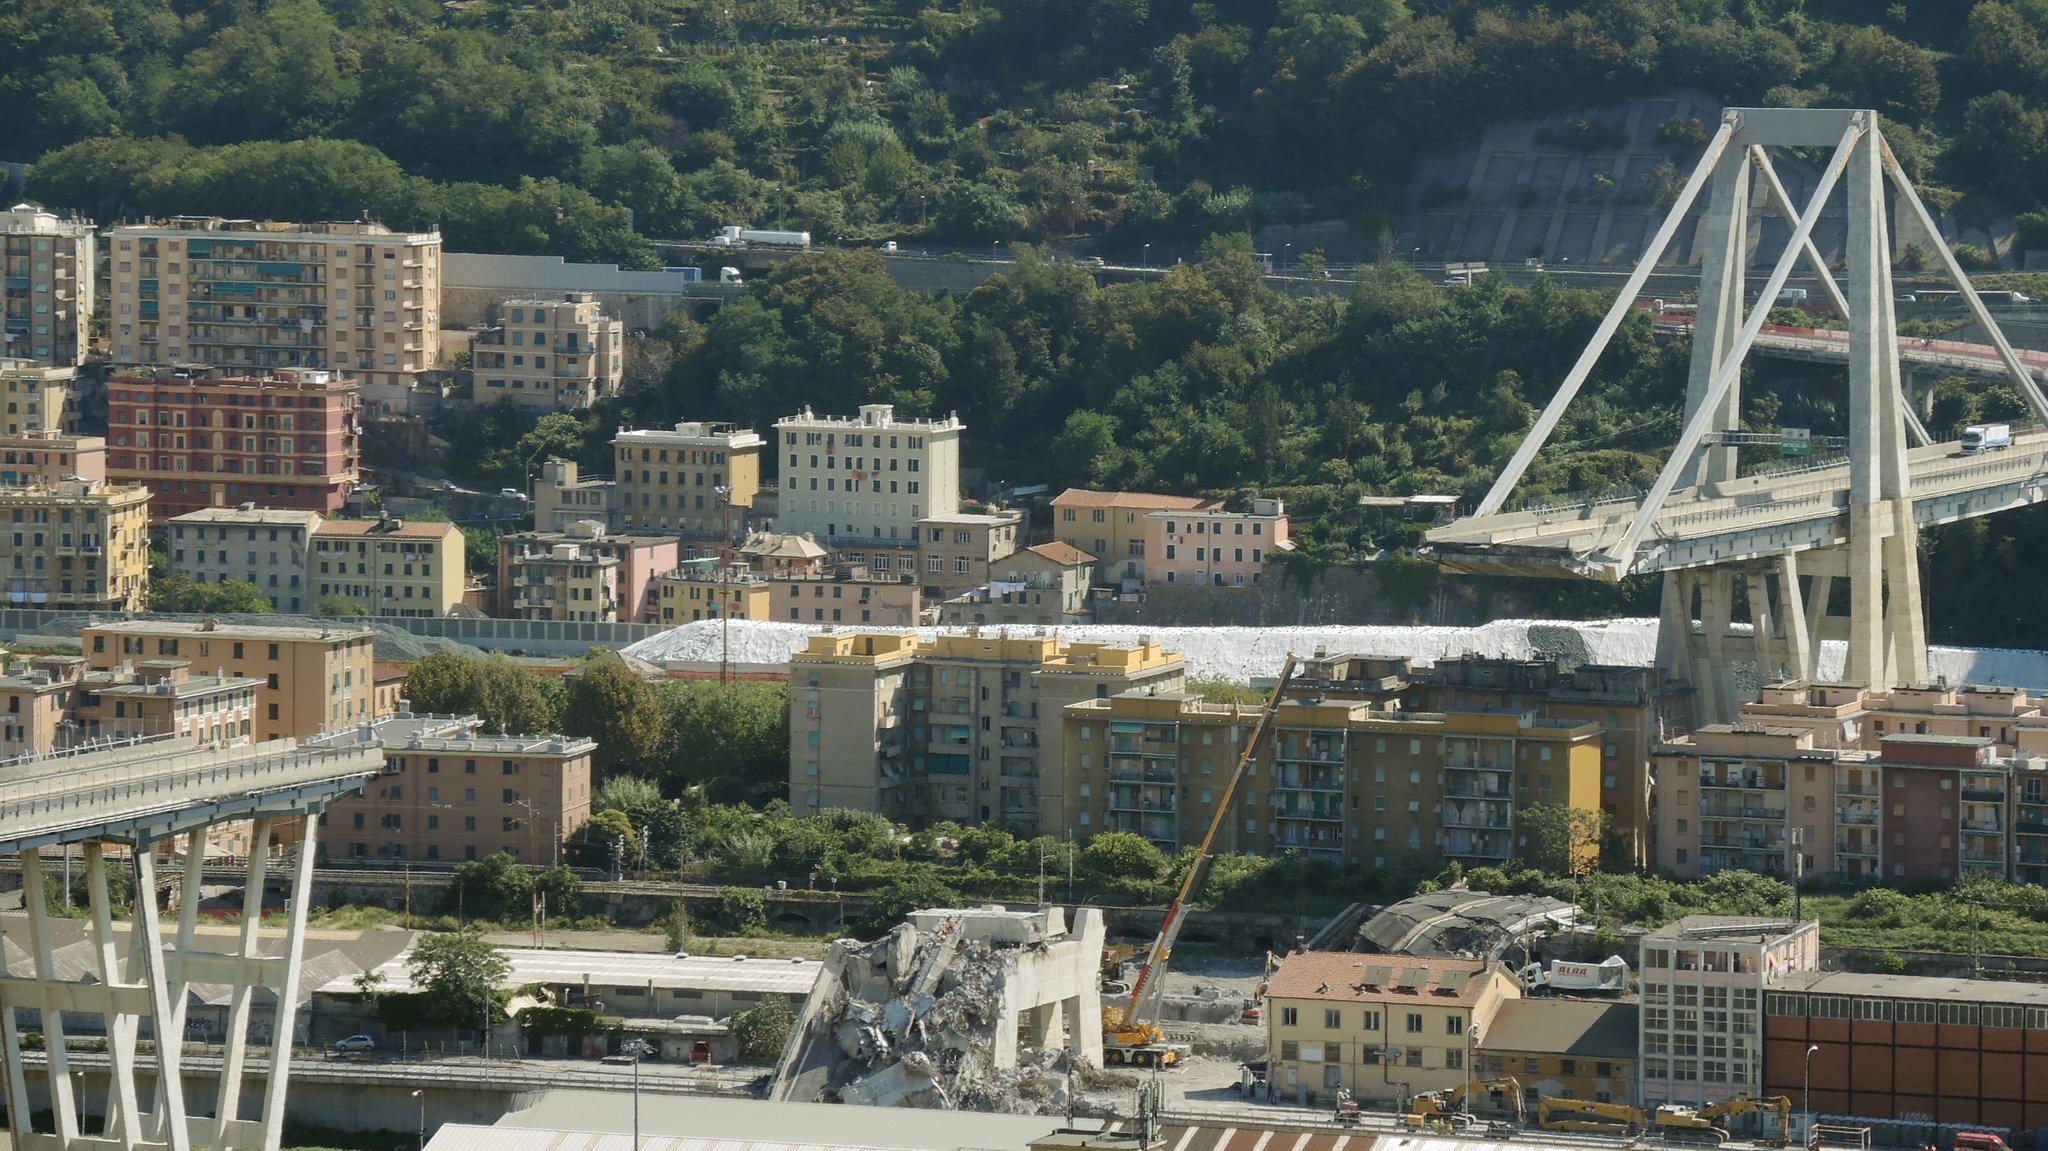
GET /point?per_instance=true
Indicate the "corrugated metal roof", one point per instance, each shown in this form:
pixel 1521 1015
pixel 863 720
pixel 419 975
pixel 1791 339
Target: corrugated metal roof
pixel 756 1125
pixel 758 976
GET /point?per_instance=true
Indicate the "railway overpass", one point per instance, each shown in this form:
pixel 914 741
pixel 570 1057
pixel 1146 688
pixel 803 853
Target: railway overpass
pixel 1752 561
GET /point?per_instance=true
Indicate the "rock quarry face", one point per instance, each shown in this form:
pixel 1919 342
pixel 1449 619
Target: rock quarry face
pixel 979 1010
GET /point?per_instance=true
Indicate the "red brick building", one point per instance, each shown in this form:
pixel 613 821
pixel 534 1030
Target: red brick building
pixel 200 437
pixel 1892 1046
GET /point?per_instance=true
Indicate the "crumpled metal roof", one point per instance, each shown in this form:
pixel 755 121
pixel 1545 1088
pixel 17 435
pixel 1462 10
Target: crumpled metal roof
pixel 1457 923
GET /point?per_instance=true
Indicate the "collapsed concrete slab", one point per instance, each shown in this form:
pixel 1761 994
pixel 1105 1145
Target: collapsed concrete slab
pixel 964 1008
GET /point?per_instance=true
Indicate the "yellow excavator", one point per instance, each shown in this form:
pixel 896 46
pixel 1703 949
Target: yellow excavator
pixel 1129 1033
pixel 1777 1105
pixel 1589 1117
pixel 1502 1099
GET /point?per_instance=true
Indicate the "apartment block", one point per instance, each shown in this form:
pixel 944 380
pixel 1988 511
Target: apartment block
pixel 549 354
pixel 866 480
pixel 961 550
pixel 268 547
pixel 562 496
pixel 207 437
pixel 964 728
pixel 1111 527
pixel 163 699
pixel 50 457
pixel 2029 790
pixel 38 704
pixel 1633 707
pixel 74 545
pixel 845 594
pixel 37 397
pixel 450 792
pixel 782 552
pixel 670 479
pixel 1382 1027
pixel 259 297
pixel 700 589
pixel 393 567
pixel 1972 1052
pixel 47 295
pixel 1213 546
pixel 637 561
pixel 558 581
pixel 314 679
pixel 1337 780
pixel 1703 980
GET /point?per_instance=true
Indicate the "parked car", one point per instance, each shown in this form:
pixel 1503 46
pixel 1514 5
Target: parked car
pixel 353 1044
pixel 511 494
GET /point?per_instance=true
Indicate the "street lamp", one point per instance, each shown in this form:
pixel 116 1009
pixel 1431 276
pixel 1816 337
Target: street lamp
pixel 423 1119
pixel 636 1048
pixel 1148 255
pixel 724 495
pixel 1471 1051
pixel 1806 1091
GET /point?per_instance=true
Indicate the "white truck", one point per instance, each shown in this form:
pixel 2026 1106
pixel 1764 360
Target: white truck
pixel 1608 976
pixel 1986 438
pixel 734 236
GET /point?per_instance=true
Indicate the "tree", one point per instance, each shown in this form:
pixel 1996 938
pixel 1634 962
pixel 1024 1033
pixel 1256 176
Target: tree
pixel 917 888
pixel 609 703
pixel 508 701
pixel 444 683
pixel 735 911
pixel 645 808
pixel 560 890
pixel 762 1029
pixel 732 738
pixel 1123 855
pixel 340 605
pixel 494 888
pixel 1563 840
pixel 179 593
pixel 600 836
pixel 458 974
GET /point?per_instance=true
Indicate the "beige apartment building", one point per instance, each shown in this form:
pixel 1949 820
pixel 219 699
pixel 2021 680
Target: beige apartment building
pixel 450 792
pixel 1382 1027
pixel 36 703
pixel 314 679
pixel 959 551
pixel 74 545
pixel 845 594
pixel 954 729
pixel 700 589
pixel 1111 527
pixel 47 294
pixel 866 480
pixel 162 699
pixel 355 298
pixel 549 354
pixel 268 547
pixel 394 567
pixel 563 581
pixel 669 479
pixel 561 496
pixel 37 397
pixel 27 457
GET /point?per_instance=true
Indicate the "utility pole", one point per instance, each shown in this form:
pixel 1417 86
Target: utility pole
pixel 724 495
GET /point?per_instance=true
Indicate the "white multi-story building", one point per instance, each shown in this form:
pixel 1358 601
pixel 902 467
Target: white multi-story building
pixel 353 297
pixel 46 297
pixel 866 480
pixel 1703 982
pixel 268 547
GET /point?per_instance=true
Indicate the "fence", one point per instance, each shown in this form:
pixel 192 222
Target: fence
pixel 541 637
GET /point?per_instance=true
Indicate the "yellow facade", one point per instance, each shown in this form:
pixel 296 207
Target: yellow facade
pixel 1382 1027
pixel 412 568
pixel 314 678
pixel 669 478
pixel 697 593
pixel 36 398
pixel 74 545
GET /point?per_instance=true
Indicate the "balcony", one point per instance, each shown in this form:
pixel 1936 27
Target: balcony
pixel 1983 794
pixel 1146 775
pixel 1858 849
pixel 1992 826
pixel 1741 780
pixel 1858 816
pixel 1311 814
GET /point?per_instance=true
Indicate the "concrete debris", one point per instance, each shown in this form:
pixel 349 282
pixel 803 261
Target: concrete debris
pixel 965 1009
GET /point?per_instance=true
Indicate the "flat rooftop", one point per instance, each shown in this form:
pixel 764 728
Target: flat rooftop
pixel 792 977
pixel 1912 987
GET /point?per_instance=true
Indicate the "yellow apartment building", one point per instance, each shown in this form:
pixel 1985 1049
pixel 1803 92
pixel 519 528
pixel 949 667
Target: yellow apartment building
pixel 549 354
pixel 562 496
pixel 313 678
pixel 1383 1027
pixel 669 479
pixel 395 567
pixel 956 728
pixel 700 589
pixel 563 582
pixel 1336 780
pixel 1111 527
pixel 36 397
pixel 76 545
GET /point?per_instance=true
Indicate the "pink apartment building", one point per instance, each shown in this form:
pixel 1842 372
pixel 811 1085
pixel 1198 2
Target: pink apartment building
pixel 1214 547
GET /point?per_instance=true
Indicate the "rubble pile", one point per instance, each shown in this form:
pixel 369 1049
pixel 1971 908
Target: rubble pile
pixel 928 1015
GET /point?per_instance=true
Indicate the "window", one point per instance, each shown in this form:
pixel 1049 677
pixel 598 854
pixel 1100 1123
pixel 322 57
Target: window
pixel 1454 1059
pixel 1332 1019
pixel 1289 1016
pixel 1415 1023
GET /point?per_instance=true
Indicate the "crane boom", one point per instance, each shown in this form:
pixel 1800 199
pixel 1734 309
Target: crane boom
pixel 1152 976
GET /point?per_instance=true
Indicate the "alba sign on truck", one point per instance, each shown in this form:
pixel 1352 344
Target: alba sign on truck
pixel 1610 974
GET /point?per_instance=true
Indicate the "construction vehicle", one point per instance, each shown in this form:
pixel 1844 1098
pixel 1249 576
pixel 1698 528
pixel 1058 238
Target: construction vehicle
pixel 1503 1100
pixel 1589 1117
pixel 1347 1108
pixel 1678 1124
pixel 1777 1105
pixel 1129 1033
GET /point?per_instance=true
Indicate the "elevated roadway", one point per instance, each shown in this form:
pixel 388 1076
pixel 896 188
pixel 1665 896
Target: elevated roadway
pixel 1746 519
